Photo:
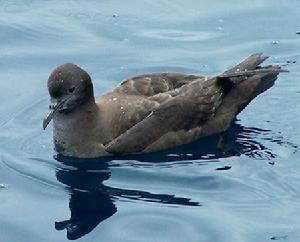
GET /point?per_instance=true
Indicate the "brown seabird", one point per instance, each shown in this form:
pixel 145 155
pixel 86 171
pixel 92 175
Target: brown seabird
pixel 150 112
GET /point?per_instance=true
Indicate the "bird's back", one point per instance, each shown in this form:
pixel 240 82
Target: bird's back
pixel 197 107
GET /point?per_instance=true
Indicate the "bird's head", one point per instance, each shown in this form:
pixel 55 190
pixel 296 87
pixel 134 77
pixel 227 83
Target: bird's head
pixel 69 87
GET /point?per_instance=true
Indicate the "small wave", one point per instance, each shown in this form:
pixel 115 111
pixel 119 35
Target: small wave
pixel 179 35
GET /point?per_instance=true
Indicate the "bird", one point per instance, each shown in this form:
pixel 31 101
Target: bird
pixel 150 112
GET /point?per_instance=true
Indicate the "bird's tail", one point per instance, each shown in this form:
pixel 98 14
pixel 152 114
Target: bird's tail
pixel 241 84
pixel 248 68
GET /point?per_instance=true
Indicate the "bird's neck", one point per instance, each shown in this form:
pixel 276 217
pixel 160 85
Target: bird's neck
pixel 76 133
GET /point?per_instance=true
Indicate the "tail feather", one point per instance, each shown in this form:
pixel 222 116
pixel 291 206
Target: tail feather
pixel 250 63
pixel 247 80
pixel 241 85
pixel 259 70
pixel 246 69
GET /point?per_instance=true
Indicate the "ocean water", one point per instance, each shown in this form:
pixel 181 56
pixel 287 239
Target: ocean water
pixel 192 193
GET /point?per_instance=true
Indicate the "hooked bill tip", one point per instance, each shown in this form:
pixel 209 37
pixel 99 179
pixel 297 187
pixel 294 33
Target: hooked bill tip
pixel 47 120
pixel 45 124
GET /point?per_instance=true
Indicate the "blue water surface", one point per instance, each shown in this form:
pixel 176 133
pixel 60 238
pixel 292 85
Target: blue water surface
pixel 190 194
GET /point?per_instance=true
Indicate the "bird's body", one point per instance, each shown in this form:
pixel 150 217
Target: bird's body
pixel 149 112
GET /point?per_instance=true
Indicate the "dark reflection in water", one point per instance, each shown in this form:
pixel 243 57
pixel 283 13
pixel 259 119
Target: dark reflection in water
pixel 91 202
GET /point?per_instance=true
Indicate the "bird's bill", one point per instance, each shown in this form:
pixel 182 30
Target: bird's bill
pixel 54 108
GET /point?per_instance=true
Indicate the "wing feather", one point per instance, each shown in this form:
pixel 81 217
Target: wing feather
pixel 156 83
pixel 191 108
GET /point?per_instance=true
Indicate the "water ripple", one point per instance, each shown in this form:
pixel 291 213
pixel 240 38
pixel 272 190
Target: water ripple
pixel 191 193
pixel 179 35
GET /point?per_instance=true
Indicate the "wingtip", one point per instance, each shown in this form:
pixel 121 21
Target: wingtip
pixel 284 70
pixel 261 55
pixel 280 68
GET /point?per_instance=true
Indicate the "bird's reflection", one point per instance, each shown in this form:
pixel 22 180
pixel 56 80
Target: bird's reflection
pixel 91 201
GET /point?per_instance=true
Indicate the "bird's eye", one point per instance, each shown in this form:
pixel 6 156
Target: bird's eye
pixel 72 89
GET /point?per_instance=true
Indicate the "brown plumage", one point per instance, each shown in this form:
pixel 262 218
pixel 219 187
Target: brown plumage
pixel 149 112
